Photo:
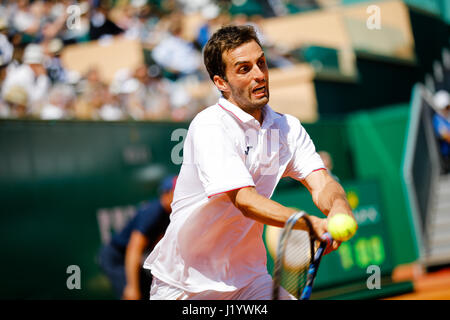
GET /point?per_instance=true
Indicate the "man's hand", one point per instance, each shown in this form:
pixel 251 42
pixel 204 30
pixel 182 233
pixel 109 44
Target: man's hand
pixel 329 196
pixel 320 226
pixel 341 210
pixel 131 293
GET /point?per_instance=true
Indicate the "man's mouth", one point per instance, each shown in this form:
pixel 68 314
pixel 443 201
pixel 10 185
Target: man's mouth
pixel 259 91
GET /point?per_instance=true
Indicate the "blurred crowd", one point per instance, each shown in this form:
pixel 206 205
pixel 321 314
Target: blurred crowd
pixel 437 85
pixel 35 83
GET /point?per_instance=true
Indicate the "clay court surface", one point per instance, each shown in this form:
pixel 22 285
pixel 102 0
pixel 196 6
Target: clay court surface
pixel 427 286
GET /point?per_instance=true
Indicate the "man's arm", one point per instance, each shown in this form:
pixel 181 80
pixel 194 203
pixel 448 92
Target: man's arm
pixel 259 208
pixel 136 246
pixel 327 194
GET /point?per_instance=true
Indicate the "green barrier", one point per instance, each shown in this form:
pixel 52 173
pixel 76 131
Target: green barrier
pixel 377 141
pixel 380 81
pixel 331 136
pixel 64 186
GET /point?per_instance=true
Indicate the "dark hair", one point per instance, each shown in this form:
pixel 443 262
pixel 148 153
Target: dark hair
pixel 226 38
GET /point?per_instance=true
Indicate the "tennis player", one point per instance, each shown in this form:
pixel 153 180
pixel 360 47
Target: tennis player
pixel 235 153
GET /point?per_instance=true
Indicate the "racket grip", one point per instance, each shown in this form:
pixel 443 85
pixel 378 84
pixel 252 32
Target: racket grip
pixel 306 293
pixel 328 239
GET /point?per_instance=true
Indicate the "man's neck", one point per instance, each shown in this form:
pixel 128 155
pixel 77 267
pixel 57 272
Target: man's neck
pixel 254 112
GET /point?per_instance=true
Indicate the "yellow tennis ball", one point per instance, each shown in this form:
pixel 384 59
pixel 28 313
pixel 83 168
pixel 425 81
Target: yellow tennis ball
pixel 342 227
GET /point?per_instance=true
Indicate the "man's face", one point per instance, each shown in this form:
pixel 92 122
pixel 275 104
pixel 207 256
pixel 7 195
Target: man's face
pixel 247 84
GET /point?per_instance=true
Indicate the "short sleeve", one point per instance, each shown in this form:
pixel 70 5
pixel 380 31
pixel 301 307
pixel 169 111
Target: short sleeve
pixel 220 166
pixel 305 159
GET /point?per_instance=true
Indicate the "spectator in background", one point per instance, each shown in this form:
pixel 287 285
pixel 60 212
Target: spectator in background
pixel 213 20
pixel 16 99
pixel 6 56
pixel 441 124
pixel 151 99
pixel 122 259
pixel 78 32
pixel 52 23
pixel 53 63
pixel 60 103
pixel 101 25
pixel 31 76
pixel 92 92
pixel 176 55
pixel 26 17
pixel 136 19
pixel 6 48
pixel 112 109
pixel 158 25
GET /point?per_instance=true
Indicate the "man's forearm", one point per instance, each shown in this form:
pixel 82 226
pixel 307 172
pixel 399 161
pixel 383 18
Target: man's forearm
pixel 259 208
pixel 331 198
pixel 132 267
pixel 133 257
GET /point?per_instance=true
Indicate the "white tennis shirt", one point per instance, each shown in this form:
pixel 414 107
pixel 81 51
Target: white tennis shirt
pixel 209 244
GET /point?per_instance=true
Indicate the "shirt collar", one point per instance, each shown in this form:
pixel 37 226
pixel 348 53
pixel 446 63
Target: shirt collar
pixel 268 114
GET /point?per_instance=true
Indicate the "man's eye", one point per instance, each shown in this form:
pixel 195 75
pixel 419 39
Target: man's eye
pixel 243 69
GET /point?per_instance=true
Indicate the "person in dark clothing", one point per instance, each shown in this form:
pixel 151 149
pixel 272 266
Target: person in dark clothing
pixel 121 259
pixel 101 25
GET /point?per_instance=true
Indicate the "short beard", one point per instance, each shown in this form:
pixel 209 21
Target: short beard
pixel 249 107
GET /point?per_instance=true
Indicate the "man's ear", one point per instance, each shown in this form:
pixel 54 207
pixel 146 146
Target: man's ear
pixel 221 84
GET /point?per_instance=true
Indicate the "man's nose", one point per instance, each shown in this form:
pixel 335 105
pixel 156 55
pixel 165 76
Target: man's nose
pixel 258 74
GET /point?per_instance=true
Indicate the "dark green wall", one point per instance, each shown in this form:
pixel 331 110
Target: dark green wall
pixel 56 176
pixel 380 81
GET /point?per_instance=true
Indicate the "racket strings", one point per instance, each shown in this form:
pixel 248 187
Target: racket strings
pixel 298 256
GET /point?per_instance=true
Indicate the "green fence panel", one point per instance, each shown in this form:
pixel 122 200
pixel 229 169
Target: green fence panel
pixel 380 81
pixel 377 141
pixel 63 187
pixel 331 136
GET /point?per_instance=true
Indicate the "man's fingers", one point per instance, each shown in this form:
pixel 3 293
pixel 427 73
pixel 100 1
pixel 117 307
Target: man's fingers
pixel 333 246
pixel 336 244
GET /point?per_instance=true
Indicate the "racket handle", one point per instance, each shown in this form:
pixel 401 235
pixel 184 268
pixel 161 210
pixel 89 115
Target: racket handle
pixel 328 239
pixel 326 243
pixel 306 293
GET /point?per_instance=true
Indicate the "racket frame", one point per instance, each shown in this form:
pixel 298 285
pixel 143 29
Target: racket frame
pixel 315 256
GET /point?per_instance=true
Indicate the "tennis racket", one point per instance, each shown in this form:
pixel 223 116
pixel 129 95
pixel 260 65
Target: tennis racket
pixel 298 257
